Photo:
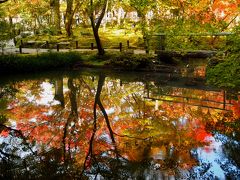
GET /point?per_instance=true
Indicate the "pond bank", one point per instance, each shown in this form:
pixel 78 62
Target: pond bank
pixel 26 63
pixel 116 61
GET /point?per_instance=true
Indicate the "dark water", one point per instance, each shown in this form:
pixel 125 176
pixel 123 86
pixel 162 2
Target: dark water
pixel 95 125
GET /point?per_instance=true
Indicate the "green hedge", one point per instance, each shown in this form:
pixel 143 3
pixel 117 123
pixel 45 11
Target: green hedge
pixel 29 63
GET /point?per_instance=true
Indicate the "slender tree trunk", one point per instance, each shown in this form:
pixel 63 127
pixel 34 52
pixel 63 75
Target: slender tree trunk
pixel 55 5
pixel 11 26
pixel 119 17
pixel 73 98
pixel 96 25
pixel 97 39
pixel 39 21
pixel 69 17
pixel 72 120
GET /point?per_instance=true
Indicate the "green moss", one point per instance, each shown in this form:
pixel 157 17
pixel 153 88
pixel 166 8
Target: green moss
pixel 131 61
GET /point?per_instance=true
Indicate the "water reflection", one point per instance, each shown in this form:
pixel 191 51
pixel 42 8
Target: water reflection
pixel 100 127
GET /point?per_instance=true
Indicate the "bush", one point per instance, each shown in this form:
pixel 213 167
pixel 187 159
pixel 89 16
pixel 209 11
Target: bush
pixel 131 61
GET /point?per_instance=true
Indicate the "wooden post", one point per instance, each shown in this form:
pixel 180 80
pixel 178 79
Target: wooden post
pixel 57 47
pixel 47 45
pixel 146 42
pixel 224 99
pixel 76 44
pixel 21 42
pixel 128 44
pixel 162 41
pixel 91 46
pixel 120 47
pixel 147 49
pixel 20 49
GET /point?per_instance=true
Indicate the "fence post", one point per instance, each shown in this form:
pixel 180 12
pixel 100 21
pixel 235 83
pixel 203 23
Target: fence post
pixel 21 42
pixel 120 47
pixel 57 47
pixel 47 45
pixel 146 43
pixel 20 49
pixel 76 44
pixel 128 44
pixel 162 42
pixel 91 46
pixel 147 50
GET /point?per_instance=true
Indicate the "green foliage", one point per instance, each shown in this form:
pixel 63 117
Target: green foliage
pixel 4 30
pixel 233 41
pixel 31 63
pixel 227 73
pixel 3 119
pixel 51 30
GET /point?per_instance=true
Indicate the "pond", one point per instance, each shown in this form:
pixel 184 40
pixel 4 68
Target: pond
pixel 93 124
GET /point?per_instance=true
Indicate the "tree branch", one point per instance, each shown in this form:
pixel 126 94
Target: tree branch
pixel 102 14
pixel 3 1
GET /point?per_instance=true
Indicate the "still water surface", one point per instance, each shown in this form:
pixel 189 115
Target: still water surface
pixel 95 125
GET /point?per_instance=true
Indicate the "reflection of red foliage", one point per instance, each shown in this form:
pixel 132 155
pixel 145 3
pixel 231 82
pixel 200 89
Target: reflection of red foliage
pixel 236 108
pixel 4 133
pixel 199 132
pixel 208 149
pixel 201 135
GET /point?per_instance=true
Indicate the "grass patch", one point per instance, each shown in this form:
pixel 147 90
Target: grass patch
pixel 110 37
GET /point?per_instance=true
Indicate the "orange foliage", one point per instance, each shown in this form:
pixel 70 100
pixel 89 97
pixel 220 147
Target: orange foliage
pixel 236 108
pixel 219 10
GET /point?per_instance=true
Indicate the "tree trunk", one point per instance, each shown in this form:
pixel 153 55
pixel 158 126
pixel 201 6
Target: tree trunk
pixel 73 99
pixel 95 26
pixel 119 17
pixel 59 91
pixel 97 39
pixel 55 5
pixel 69 18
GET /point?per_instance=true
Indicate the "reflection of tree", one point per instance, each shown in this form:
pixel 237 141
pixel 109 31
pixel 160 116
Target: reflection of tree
pixel 115 134
pixel 59 91
pixel 72 118
pixel 97 102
